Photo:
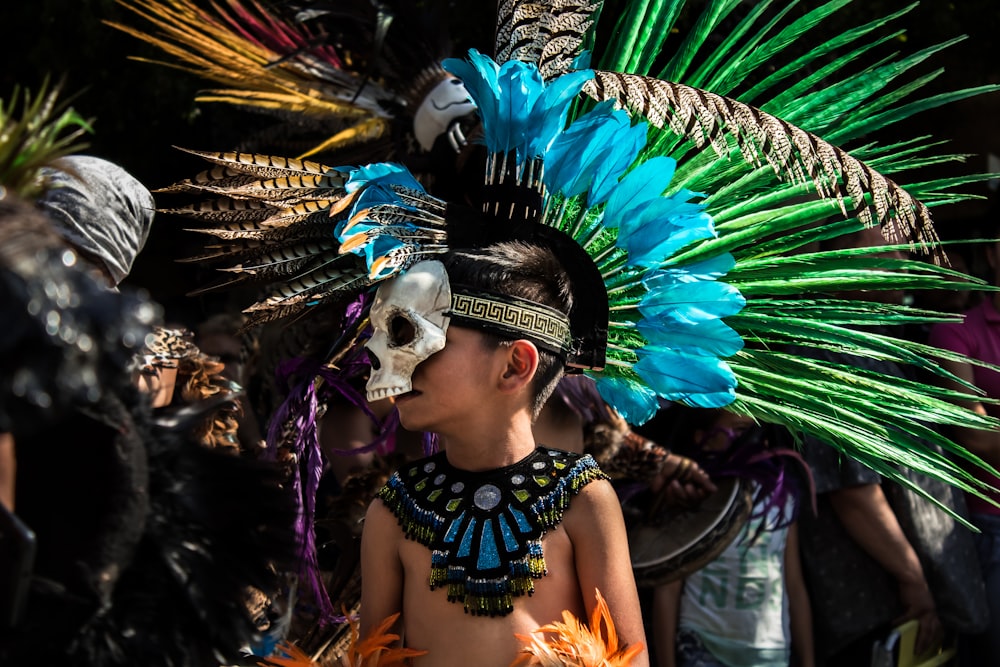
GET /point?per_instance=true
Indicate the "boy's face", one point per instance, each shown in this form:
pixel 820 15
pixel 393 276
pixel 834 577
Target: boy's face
pixel 454 385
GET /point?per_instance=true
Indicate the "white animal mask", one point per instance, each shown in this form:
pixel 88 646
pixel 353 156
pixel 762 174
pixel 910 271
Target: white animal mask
pixel 410 322
pixel 447 102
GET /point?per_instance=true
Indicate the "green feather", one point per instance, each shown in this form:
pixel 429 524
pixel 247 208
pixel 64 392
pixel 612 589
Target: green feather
pixel 36 130
pixel 710 20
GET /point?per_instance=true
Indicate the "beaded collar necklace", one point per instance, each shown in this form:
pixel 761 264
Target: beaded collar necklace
pixel 484 529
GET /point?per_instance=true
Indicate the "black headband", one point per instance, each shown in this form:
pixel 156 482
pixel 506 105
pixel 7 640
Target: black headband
pixel 507 316
pixel 588 319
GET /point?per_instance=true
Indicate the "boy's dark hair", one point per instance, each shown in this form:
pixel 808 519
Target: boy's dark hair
pixel 526 271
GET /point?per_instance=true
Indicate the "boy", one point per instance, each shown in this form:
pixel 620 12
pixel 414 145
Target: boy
pixel 462 520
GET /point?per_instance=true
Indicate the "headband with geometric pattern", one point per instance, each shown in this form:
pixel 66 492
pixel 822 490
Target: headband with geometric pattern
pixel 507 316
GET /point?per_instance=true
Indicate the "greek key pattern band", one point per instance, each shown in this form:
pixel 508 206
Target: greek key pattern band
pixel 546 325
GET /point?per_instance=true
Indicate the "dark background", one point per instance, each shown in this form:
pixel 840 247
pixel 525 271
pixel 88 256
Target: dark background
pixel 141 110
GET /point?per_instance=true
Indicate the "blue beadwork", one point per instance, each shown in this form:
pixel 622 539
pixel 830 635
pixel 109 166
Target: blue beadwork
pixel 498 533
pixel 453 529
pixel 465 548
pixel 489 555
pixel 509 540
pixel 522 521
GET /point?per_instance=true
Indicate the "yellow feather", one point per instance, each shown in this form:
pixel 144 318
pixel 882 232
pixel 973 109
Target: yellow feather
pixel 368 130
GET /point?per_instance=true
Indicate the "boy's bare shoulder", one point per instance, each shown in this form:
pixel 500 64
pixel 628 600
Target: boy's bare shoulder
pixel 596 504
pixel 379 520
pixel 596 493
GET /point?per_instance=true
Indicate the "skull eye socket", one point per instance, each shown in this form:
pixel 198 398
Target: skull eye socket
pixel 401 331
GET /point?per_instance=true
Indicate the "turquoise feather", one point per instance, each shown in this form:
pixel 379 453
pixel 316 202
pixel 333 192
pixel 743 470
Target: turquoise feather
pixel 708 337
pixel 689 302
pixel 592 154
pixel 646 182
pixel 701 380
pixel 636 402
pixel 662 227
pixel 520 112
pixel 381 172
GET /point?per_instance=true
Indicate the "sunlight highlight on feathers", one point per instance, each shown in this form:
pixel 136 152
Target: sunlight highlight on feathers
pixel 571 643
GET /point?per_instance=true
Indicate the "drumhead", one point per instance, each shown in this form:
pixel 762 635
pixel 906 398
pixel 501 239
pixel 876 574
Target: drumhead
pixel 678 541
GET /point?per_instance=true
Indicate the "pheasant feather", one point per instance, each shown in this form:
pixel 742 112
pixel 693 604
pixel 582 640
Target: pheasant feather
pixel 793 153
pixel 546 34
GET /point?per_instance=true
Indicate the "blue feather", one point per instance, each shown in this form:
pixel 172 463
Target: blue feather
pixel 704 380
pixel 635 402
pixel 576 154
pixel 629 142
pixel 641 185
pixel 690 302
pixel 381 172
pixel 548 117
pixel 712 268
pixel 662 227
pixel 708 337
pixel 519 110
pixel 521 87
pixel 593 153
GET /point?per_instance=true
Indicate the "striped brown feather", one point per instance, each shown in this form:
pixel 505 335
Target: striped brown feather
pixel 561 34
pixel 217 180
pixel 266 166
pixel 792 153
pixel 548 34
pixel 225 210
pixel 290 190
pixel 517 26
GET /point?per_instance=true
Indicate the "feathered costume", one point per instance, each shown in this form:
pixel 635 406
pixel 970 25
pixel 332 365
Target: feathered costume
pixel 352 78
pixel 627 195
pixel 693 185
pixel 196 377
pixel 143 543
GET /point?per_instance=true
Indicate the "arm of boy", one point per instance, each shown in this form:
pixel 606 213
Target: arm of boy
pixel 381 569
pixel 666 613
pixel 799 607
pixel 596 529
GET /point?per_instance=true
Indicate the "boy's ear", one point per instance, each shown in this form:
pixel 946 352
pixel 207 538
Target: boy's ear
pixel 522 362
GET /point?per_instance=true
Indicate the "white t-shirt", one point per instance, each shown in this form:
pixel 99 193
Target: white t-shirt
pixel 737 604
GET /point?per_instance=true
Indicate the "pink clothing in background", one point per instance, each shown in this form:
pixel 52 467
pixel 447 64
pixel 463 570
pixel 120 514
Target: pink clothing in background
pixel 978 337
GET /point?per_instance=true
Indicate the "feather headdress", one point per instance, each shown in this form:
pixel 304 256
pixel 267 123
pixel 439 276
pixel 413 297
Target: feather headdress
pixel 338 76
pixel 703 259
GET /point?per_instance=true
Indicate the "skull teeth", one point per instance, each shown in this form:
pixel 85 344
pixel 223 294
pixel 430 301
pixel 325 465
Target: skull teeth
pixel 387 392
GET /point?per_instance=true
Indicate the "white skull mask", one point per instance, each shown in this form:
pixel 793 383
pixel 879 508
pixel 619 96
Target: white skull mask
pixel 447 102
pixel 410 322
